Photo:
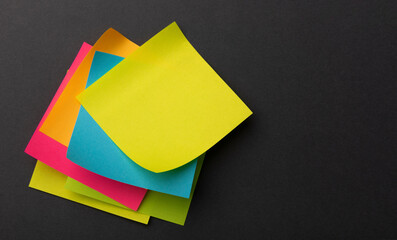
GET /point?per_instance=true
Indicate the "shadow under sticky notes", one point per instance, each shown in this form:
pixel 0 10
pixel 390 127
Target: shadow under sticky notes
pixel 92 149
pixel 163 105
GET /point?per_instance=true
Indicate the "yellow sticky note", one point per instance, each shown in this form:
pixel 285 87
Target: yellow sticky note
pixel 60 122
pixel 164 106
pixel 49 180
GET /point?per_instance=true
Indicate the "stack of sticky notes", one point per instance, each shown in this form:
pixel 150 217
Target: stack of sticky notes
pixel 129 126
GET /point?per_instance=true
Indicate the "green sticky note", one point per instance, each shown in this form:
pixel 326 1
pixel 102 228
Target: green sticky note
pixel 51 181
pixel 159 205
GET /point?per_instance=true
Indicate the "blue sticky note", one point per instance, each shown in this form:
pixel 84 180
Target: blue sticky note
pixel 93 150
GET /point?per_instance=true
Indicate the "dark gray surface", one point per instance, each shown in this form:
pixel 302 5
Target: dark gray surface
pixel 317 160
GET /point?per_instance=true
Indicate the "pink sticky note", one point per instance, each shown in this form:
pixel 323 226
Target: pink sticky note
pixel 52 153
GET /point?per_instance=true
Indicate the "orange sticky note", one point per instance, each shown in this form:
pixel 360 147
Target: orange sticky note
pixel 60 122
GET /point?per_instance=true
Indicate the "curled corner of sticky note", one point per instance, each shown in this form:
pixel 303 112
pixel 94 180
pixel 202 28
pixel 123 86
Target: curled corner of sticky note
pixel 176 120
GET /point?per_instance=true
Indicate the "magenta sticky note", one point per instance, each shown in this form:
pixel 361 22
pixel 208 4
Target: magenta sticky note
pixel 53 153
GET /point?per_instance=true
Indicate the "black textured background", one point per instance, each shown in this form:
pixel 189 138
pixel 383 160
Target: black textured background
pixel 317 160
